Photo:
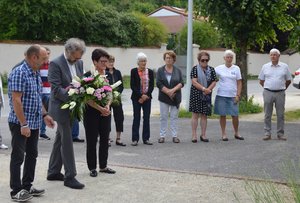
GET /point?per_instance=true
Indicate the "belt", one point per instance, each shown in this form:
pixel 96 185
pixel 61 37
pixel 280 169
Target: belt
pixel 274 90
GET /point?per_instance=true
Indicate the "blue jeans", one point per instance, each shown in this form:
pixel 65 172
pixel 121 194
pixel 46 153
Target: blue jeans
pixel 146 106
pixel 75 129
pixel 45 100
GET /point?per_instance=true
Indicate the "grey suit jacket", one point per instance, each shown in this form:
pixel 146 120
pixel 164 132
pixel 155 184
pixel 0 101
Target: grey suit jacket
pixel 60 77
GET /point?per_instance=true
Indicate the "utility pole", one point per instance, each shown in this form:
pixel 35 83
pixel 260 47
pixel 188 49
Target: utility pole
pixel 189 53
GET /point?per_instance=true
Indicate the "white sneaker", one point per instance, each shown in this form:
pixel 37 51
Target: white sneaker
pixel 3 146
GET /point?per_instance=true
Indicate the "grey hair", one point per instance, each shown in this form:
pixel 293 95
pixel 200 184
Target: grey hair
pixel 141 56
pixel 75 44
pixel 228 52
pixel 275 51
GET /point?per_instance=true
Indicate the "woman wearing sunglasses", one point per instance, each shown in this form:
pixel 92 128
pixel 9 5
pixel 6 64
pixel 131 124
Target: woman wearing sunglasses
pixel 203 81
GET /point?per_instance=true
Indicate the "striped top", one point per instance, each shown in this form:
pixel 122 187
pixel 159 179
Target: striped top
pixel 44 75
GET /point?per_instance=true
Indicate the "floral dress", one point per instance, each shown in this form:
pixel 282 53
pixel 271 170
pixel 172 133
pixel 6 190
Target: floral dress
pixel 197 102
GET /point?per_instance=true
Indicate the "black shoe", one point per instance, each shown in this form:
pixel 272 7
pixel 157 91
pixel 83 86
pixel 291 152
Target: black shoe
pixel 73 183
pixel 59 177
pixel 225 139
pixel 44 136
pixel 35 192
pixel 78 140
pixel 204 139
pixel 22 196
pixel 147 142
pixel 238 137
pixel 107 170
pixel 93 173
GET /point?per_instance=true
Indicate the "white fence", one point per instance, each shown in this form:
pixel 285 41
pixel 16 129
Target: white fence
pixel 11 54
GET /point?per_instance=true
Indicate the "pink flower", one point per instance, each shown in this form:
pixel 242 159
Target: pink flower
pixel 107 88
pixel 89 79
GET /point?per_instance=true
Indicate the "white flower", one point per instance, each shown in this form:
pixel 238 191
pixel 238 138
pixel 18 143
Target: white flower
pixel 90 90
pixel 116 84
pixel 116 93
pixel 76 78
pixel 65 106
pixel 72 105
pixel 71 92
pixel 75 82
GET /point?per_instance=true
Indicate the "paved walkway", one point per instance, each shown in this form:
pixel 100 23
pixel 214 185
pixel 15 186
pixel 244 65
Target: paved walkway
pixel 185 172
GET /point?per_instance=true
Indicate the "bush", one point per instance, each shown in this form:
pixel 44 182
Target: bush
pixel 248 107
pixel 152 32
pixel 4 78
pixel 204 34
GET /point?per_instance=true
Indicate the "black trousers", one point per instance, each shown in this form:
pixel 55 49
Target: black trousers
pixel 118 117
pixel 22 148
pixel 96 127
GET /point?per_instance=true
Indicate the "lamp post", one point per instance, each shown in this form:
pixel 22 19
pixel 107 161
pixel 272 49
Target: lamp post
pixel 189 53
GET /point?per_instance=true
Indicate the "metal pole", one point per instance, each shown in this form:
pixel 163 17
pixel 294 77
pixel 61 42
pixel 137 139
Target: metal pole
pixel 189 54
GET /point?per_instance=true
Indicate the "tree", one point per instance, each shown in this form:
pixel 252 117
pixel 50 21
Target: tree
pixel 44 20
pixel 153 32
pixel 243 23
pixel 204 34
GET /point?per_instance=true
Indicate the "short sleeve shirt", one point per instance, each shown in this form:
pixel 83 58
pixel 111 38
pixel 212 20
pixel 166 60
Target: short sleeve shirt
pixel 275 76
pixel 24 79
pixel 228 78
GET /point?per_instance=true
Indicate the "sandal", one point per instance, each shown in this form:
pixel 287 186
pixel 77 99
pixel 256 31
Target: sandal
pixel 161 140
pixel 176 140
pixel 120 143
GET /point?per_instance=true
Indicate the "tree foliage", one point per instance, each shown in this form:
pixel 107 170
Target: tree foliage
pixel 89 20
pixel 204 34
pixel 244 23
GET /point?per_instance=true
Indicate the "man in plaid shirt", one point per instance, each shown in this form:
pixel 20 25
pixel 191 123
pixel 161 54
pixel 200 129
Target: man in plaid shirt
pixel 25 118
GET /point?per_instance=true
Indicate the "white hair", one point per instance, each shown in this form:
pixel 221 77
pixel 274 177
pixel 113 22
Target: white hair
pixel 228 52
pixel 275 51
pixel 141 56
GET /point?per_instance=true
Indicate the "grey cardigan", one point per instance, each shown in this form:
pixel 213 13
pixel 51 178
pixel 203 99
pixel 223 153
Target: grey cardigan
pixel 161 81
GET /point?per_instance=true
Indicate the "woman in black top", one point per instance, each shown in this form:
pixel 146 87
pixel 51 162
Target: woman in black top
pixel 142 84
pixel 96 122
pixel 114 76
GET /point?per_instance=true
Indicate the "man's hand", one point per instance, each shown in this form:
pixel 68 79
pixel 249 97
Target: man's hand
pixel 49 121
pixel 25 131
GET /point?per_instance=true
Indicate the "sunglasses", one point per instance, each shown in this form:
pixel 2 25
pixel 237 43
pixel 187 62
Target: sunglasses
pixel 204 60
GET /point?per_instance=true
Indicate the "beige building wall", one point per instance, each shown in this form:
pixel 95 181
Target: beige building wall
pixel 11 54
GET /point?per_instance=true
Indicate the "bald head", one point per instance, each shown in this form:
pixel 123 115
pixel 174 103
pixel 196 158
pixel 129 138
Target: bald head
pixel 36 56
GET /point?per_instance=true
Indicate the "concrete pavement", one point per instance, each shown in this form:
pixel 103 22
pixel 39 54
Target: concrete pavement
pixel 185 172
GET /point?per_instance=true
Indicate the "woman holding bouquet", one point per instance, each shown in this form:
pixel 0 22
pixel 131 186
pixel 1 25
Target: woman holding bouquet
pixel 97 122
pixel 141 84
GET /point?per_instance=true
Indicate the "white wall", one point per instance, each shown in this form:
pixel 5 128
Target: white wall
pixel 11 54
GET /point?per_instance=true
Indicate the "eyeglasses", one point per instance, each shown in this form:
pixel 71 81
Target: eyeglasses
pixel 204 60
pixel 103 61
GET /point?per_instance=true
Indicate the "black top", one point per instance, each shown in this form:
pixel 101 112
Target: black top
pixel 135 84
pixel 115 77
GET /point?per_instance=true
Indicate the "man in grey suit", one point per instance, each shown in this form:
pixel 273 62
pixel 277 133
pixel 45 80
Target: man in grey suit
pixel 61 71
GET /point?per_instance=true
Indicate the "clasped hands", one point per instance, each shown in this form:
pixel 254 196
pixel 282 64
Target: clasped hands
pixel 143 98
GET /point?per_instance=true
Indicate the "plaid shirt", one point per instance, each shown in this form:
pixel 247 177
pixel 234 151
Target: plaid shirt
pixel 24 79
